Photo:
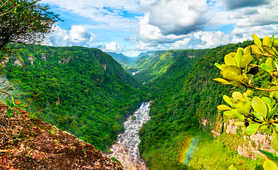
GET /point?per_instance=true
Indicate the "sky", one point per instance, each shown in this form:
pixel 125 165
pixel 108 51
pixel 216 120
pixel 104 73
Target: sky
pixel 134 26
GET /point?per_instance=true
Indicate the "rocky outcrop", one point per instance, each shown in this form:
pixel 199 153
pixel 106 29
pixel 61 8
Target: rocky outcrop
pixel 251 144
pixel 27 143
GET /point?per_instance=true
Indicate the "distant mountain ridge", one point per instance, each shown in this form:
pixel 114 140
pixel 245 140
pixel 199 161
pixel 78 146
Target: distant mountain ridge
pixel 122 59
pixel 151 65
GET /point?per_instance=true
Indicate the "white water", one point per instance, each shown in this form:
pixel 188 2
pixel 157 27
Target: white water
pixel 126 148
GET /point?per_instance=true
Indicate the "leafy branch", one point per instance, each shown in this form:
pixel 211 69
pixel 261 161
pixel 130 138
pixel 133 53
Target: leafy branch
pixel 256 68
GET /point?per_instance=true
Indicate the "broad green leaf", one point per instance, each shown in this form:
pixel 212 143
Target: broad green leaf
pixel 264 127
pixel 8 102
pixel 9 113
pixel 247 50
pixel 274 141
pixel 232 167
pixel 274 93
pixel 276 42
pixel 228 100
pixel 231 73
pixel 252 128
pixel 256 50
pixel 245 60
pixel 239 116
pixel 259 106
pixel 229 59
pixel 219 66
pixel 229 114
pixel 243 107
pixel 223 107
pixel 269 165
pixel 268 51
pixel 222 81
pixel 238 56
pixel 258 116
pixel 267 41
pixel 257 41
pixel 268 65
pixel 275 51
pixel 269 103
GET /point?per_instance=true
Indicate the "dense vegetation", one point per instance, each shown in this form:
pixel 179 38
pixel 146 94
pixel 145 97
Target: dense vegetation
pixel 80 90
pixel 122 59
pixel 152 65
pixel 255 110
pixel 180 104
pixel 24 21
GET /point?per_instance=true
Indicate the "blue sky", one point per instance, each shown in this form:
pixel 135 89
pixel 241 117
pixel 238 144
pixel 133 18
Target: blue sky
pixel 134 26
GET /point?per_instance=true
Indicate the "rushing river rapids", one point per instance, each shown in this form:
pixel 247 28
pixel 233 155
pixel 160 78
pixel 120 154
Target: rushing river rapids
pixel 126 148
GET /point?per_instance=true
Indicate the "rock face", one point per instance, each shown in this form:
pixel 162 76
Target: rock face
pixel 126 148
pixel 251 144
pixel 27 143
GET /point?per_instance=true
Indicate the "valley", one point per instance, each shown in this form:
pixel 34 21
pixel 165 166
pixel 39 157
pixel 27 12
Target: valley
pixel 138 85
pixel 86 92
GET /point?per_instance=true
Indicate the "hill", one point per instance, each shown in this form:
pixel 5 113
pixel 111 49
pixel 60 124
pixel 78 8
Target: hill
pixel 122 59
pixel 152 65
pixel 80 90
pixel 181 100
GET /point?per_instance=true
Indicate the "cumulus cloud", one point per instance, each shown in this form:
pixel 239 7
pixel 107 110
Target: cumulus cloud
pixel 104 14
pixel 112 47
pixel 166 24
pixel 235 4
pixel 175 16
pixel 77 36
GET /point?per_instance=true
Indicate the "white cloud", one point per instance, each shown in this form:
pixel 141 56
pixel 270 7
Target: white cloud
pixel 166 24
pixel 112 47
pixel 105 13
pixel 176 16
pixel 77 36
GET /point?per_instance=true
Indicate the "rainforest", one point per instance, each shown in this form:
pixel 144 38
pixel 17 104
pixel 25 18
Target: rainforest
pixel 146 89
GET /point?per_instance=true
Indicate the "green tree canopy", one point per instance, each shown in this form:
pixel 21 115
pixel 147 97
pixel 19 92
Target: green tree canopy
pixel 24 21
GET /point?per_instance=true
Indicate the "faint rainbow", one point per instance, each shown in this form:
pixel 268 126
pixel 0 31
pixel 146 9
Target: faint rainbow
pixel 187 150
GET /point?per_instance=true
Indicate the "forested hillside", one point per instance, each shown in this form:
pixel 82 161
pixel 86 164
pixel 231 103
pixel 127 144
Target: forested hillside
pixel 81 90
pixel 122 59
pixel 152 65
pixel 180 100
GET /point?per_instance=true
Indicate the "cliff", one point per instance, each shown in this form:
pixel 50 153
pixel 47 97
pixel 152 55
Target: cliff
pixel 29 143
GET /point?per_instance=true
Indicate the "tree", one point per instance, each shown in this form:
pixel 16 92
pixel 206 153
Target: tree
pixel 24 21
pixel 255 110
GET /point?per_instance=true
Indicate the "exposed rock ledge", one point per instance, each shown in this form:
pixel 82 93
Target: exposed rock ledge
pixel 32 144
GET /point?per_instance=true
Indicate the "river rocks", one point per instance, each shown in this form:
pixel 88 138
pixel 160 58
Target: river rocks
pixel 126 148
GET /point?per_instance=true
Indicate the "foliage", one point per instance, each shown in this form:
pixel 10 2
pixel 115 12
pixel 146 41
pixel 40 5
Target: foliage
pixel 80 90
pixel 256 68
pixel 24 21
pixel 213 154
pixel 122 59
pixel 152 65
pixel 183 96
pixel 12 106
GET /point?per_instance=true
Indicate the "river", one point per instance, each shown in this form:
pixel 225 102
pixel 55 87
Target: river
pixel 126 148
